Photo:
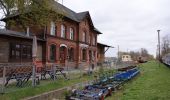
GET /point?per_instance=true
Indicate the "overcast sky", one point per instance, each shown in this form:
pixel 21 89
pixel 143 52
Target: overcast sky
pixel 131 24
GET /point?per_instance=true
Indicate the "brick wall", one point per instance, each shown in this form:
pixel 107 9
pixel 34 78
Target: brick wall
pixel 79 28
pixel 4 50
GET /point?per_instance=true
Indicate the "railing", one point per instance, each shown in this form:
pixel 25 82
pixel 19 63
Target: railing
pixel 19 72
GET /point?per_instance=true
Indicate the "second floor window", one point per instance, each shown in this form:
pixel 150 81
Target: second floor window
pixel 63 31
pixel 71 34
pixel 94 40
pixel 52 30
pixel 89 39
pixel 84 37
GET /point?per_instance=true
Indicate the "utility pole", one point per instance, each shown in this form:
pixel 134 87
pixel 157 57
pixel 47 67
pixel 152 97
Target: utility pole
pixel 159 47
pixel 118 54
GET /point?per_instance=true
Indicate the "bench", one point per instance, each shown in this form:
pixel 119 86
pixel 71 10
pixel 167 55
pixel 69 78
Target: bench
pixel 51 71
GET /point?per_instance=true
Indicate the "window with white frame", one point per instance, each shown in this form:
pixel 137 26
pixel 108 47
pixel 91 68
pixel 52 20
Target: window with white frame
pixel 52 30
pixel 63 31
pixel 94 40
pixel 71 34
pixel 84 37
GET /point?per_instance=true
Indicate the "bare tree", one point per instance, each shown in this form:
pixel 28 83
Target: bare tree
pixel 144 52
pixel 165 45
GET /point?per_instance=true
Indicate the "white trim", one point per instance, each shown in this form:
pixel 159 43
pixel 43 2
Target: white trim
pixel 84 45
pixel 63 31
pixel 28 32
pixel 63 45
pixel 52 28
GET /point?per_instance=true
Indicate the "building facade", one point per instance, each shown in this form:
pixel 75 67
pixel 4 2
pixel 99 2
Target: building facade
pixel 126 58
pixel 72 41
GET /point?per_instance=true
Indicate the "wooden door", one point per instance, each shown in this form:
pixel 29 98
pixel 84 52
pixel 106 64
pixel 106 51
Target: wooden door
pixel 62 54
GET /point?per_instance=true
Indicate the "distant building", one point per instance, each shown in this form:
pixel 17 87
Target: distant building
pixel 126 58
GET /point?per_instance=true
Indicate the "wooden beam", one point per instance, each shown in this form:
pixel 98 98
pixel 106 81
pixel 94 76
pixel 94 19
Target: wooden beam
pixel 106 49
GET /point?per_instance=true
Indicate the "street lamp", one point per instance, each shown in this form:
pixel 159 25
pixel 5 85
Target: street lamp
pixel 159 48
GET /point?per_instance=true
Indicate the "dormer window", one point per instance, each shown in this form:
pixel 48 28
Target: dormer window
pixel 52 30
pixel 71 34
pixel 63 31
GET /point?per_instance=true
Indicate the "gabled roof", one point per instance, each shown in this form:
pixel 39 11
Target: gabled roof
pixel 82 15
pixel 64 10
pixel 78 17
pixel 95 29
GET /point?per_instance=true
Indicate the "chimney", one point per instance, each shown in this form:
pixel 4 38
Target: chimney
pixel 28 32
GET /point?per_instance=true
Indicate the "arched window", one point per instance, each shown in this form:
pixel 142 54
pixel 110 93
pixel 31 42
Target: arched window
pixel 52 52
pixel 84 54
pixel 52 30
pixel 84 37
pixel 71 54
pixel 63 31
pixel 71 34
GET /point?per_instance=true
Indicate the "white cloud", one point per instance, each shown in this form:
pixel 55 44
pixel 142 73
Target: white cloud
pixel 131 24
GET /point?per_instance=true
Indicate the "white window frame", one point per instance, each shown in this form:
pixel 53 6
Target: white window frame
pixel 94 40
pixel 63 31
pixel 71 33
pixel 52 29
pixel 84 37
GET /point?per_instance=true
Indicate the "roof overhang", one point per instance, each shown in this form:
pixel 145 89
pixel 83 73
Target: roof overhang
pixel 105 45
pixel 9 33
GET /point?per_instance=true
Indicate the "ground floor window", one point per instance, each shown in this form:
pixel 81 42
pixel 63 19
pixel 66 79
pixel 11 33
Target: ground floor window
pixel 71 54
pixel 90 55
pixel 52 52
pixel 20 52
pixel 84 54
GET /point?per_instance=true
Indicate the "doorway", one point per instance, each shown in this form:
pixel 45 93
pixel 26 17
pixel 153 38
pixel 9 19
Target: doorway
pixel 63 54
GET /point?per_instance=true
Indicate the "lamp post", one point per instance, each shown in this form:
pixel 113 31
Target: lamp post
pixel 159 48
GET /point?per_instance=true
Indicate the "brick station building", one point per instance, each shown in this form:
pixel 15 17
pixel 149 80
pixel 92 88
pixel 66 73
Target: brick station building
pixel 74 39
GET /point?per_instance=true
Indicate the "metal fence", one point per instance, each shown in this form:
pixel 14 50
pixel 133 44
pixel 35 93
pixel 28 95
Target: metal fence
pixel 13 76
pixel 16 75
pixel 13 72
